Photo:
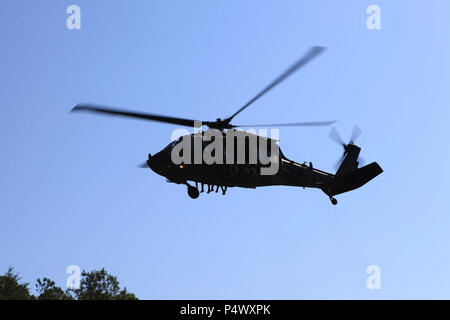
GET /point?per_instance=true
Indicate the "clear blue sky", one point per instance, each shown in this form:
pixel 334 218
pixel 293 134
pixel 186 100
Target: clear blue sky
pixel 70 192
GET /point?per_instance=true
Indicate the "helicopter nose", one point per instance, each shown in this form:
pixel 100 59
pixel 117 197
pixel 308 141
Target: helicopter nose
pixel 157 163
pixel 153 162
pixel 149 160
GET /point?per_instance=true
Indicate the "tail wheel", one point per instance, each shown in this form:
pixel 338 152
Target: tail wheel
pixel 333 201
pixel 193 192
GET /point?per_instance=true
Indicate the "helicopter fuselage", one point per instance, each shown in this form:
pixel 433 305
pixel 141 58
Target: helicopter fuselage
pixel 237 159
pixel 289 173
pixel 246 174
pixel 252 161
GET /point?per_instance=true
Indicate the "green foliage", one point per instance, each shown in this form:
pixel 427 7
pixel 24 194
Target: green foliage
pixel 100 285
pixel 47 290
pixel 94 285
pixel 11 289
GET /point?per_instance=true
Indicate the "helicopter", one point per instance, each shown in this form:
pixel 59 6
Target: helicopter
pixel 245 158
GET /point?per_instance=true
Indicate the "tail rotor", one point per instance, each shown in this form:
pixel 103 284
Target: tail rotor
pixel 335 136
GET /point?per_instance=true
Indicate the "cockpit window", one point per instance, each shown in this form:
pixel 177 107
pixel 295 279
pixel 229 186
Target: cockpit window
pixel 174 142
pixel 171 145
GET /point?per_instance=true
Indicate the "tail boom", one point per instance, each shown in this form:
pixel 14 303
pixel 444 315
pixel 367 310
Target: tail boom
pixel 353 180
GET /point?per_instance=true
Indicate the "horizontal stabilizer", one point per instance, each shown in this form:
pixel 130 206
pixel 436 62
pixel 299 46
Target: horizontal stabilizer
pixel 355 178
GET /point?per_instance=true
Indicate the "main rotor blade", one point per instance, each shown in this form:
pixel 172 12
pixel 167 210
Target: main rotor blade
pixel 293 124
pixel 130 114
pixel 300 63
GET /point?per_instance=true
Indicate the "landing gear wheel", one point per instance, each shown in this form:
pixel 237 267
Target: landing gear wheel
pixel 193 192
pixel 333 201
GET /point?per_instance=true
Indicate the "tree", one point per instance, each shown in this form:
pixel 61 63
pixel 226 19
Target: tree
pixel 11 289
pixel 47 290
pixel 94 285
pixel 100 285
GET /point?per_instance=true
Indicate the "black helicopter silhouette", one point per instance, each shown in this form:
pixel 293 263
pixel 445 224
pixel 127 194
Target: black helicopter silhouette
pixel 246 172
